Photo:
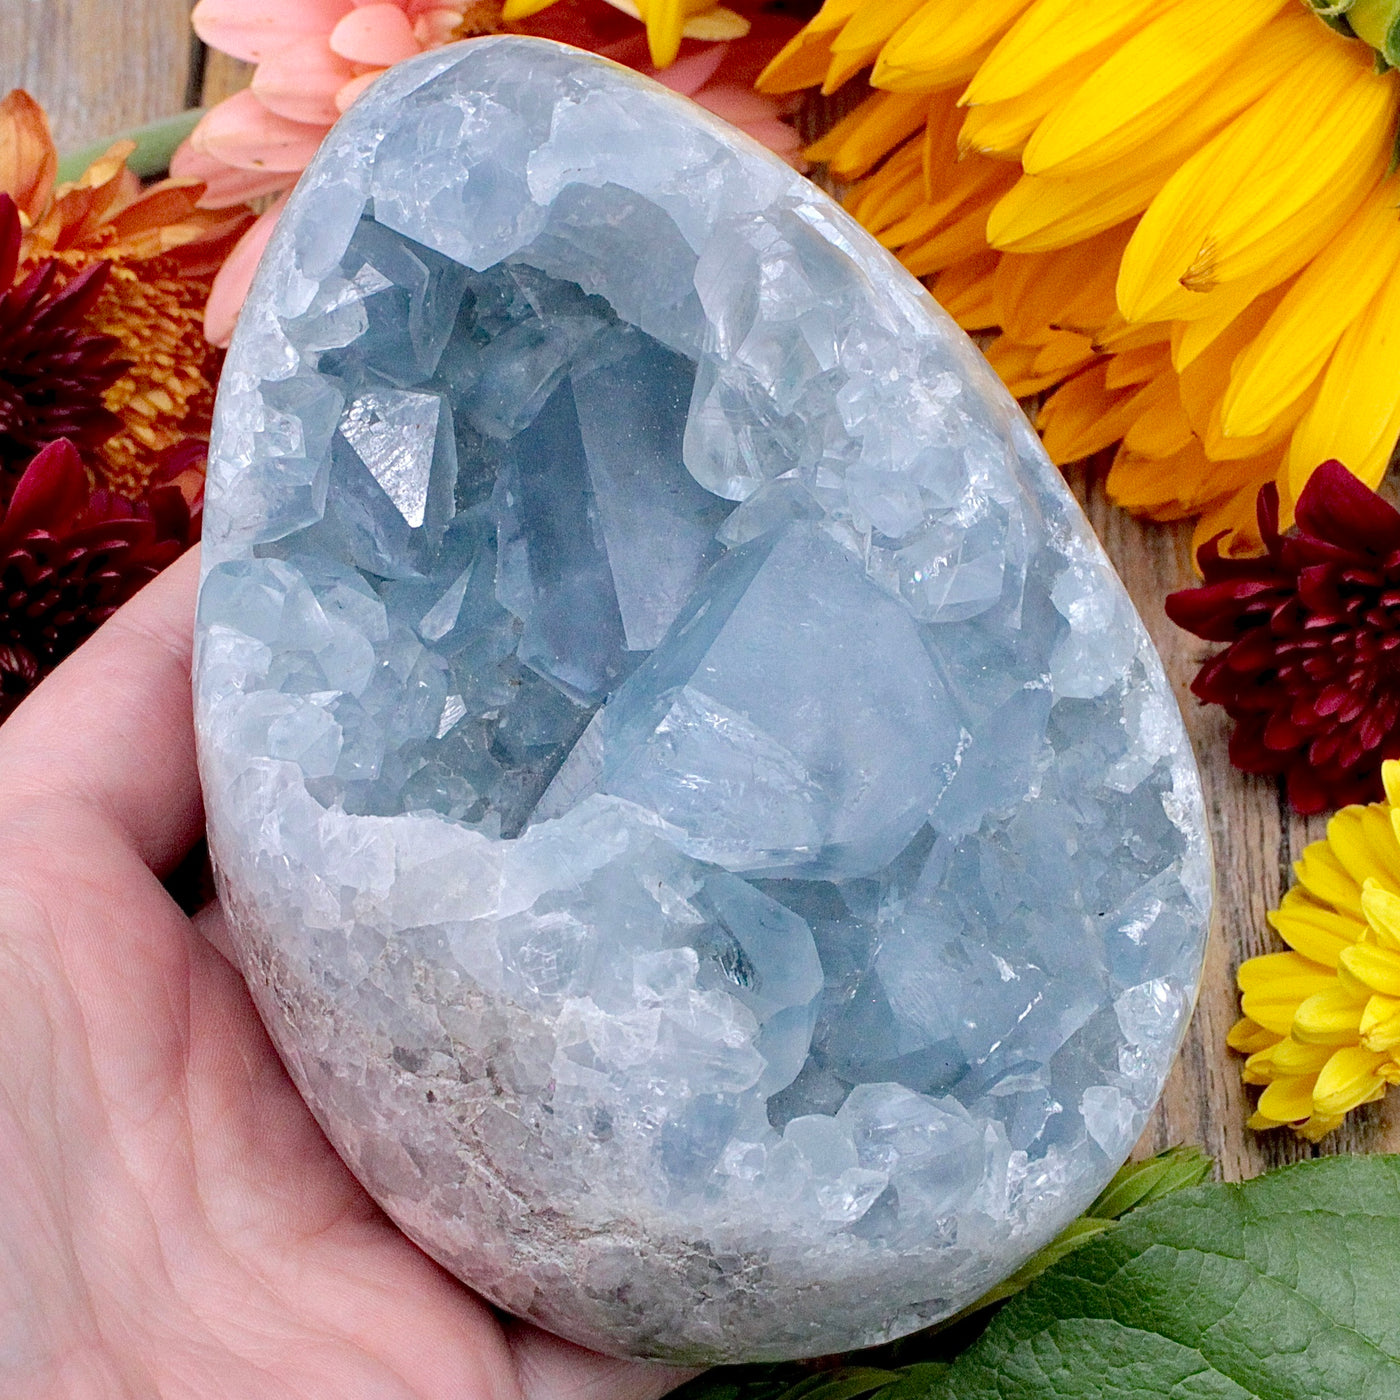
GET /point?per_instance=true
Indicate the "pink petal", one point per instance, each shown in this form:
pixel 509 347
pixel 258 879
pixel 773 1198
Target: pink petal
pixel 780 138
pixel 434 27
pixel 377 34
pixel 354 88
pixel 255 29
pixel 224 186
pixel 230 288
pixel 688 75
pixel 241 132
pixel 737 105
pixel 300 82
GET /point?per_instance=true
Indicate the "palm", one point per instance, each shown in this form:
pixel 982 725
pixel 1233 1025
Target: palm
pixel 173 1222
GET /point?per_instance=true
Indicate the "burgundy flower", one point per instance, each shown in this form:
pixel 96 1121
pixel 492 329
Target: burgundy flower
pixel 1311 675
pixel 53 373
pixel 70 557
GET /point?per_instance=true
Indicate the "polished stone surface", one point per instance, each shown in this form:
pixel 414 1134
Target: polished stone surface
pixel 704 826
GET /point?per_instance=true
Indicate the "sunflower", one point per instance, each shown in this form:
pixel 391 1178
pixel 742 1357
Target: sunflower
pixel 1179 218
pixel 1321 1024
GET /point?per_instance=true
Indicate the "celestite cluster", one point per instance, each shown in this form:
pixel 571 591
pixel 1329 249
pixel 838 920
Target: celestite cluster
pixel 702 822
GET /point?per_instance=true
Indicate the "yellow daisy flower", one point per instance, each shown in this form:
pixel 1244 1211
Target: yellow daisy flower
pixel 1179 216
pixel 1321 1024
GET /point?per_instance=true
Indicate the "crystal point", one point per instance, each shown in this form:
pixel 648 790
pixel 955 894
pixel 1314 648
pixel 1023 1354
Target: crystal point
pixel 705 828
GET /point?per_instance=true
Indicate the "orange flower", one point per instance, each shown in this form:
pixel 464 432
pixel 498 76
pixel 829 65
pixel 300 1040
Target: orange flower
pixel 162 251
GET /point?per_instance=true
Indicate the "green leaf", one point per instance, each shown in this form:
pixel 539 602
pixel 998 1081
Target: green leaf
pixel 155 144
pixel 1282 1288
pixel 1135 1184
pixel 1138 1183
pixel 921 1382
pixel 850 1383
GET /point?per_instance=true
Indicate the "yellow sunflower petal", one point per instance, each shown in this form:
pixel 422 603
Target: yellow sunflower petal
pixel 1292 1057
pixel 1288 1100
pixel 716 25
pixel 976 181
pixel 1162 431
pixel 1271 969
pixel 1140 365
pixel 1319 1125
pixel 1335 288
pixel 867 134
pixel 804 59
pixel 1380 1023
pixel 862 37
pixel 1347 1080
pixel 664 19
pixel 1390 778
pixel 1381 906
pixel 1042 213
pixel 1085 416
pixel 1356 417
pixel 1046 211
pixel 1003 128
pixel 1029 369
pixel 1270 190
pixel 1249 1037
pixel 1324 876
pixel 1049 36
pixel 1157 76
pixel 964 291
pixel 1329 1017
pixel 1161 488
pixel 1319 934
pixel 1361 840
pixel 942 43
pixel 1367 970
pixel 1220 316
pixel 1070 289
pixel 890 194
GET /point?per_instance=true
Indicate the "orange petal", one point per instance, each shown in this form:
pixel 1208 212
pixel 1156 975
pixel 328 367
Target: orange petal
pixel 379 35
pixel 28 161
pixel 255 29
pixel 300 82
pixel 241 132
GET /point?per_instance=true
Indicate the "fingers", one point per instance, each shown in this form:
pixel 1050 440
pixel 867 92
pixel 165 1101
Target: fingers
pixel 111 730
pixel 549 1368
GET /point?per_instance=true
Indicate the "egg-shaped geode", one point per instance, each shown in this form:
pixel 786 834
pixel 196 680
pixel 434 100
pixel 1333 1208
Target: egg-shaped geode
pixel 703 824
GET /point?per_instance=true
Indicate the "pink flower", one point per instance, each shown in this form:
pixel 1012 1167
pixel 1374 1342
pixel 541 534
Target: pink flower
pixel 315 57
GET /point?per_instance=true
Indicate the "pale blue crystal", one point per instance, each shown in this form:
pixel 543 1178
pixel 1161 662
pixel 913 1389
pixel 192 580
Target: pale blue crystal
pixel 706 829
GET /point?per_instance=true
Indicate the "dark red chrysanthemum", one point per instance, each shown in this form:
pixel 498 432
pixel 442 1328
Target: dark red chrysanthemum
pixel 1311 675
pixel 69 557
pixel 53 372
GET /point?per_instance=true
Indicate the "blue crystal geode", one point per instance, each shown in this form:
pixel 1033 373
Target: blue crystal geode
pixel 701 820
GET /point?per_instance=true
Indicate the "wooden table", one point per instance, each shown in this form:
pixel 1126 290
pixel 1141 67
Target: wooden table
pixel 99 66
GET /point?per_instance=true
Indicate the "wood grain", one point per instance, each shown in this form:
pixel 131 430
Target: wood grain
pixel 97 66
pixel 101 65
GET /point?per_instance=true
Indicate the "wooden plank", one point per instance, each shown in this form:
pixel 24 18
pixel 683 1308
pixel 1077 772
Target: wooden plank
pixel 223 76
pixel 97 66
pixel 1256 839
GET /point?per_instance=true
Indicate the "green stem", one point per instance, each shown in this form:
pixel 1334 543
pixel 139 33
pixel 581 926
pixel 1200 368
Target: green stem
pixel 155 144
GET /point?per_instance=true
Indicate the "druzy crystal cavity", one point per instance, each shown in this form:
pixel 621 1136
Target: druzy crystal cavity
pixel 704 826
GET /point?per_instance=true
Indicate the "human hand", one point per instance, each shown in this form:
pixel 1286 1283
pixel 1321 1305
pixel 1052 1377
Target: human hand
pixel 173 1224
